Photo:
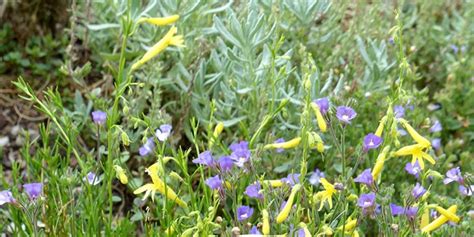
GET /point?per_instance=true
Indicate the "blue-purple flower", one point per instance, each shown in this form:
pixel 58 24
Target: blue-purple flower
pixel 254 191
pixel 205 158
pixel 254 231
pixel 436 127
pixel 323 104
pixel 410 212
pixel 413 169
pixel 147 148
pixel 301 233
pixel 214 183
pixel 244 212
pixel 367 203
pixel 454 174
pixel 6 197
pixel 418 191
pixel 402 132
pixel 279 140
pixel 226 163
pixel 315 176
pixel 454 48
pixel 163 132
pixel 399 111
pixel 436 143
pixel 345 114
pixel 365 177
pixel 92 178
pixel 99 117
pixel 33 190
pixel 371 141
pixel 240 153
pixel 466 191
pixel 291 179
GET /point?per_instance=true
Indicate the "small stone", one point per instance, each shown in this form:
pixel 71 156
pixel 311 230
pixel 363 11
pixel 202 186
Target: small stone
pixel 4 141
pixel 15 130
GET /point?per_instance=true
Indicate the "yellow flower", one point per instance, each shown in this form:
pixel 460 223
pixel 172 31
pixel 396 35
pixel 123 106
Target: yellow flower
pixel 159 21
pixel 315 140
pixel 326 231
pixel 451 216
pixel 285 145
pixel 379 130
pixel 120 173
pixel 319 117
pixel 289 204
pixel 168 39
pixel 438 222
pixel 350 225
pixel 158 185
pixel 379 163
pixel 417 153
pixel 266 222
pixel 274 183
pixel 425 218
pixel 425 143
pixel 325 195
pixel 218 130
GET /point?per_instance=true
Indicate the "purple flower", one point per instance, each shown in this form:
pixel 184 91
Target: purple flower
pixel 391 40
pixel 244 212
pixel 254 231
pixel 291 179
pixel 371 141
pixel 365 177
pixel 411 212
pixel 402 132
pixel 92 178
pixel 418 191
pixel 436 127
pixel 454 174
pixel 436 143
pixel 214 183
pixel 163 132
pixel 253 191
pixel 226 163
pixel 280 140
pixel 345 114
pixel 399 111
pixel 240 153
pixel 396 210
pixel 367 203
pixel 323 104
pixel 205 158
pixel 33 190
pixel 314 178
pixel 454 48
pixel 6 197
pixel 466 191
pixel 301 233
pixel 147 148
pixel 99 117
pixel 413 169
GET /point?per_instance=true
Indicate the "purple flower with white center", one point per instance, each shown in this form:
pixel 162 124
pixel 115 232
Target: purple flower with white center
pixel 6 197
pixel 454 48
pixel 411 212
pixel 214 183
pixel 291 179
pixel 413 169
pixel 396 210
pixel 371 141
pixel 254 231
pixel 226 163
pixel 454 174
pixel 99 117
pixel 33 190
pixel 391 40
pixel 254 190
pixel 418 191
pixel 240 153
pixel 365 177
pixel 436 143
pixel 399 111
pixel 466 191
pixel 402 132
pixel 244 212
pixel 92 178
pixel 314 178
pixel 205 158
pixel 147 148
pixel 301 233
pixel 345 114
pixel 367 203
pixel 163 132
pixel 280 140
pixel 436 127
pixel 323 104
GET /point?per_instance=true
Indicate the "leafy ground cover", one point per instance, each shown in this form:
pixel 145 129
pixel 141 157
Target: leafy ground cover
pixel 197 118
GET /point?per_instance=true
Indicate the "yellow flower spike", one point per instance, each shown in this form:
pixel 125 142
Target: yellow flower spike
pixel 284 145
pixel 266 222
pixel 159 21
pixel 415 135
pixel 218 129
pixel 319 117
pixel 315 141
pixel 325 195
pixel 274 183
pixel 379 163
pixel 425 218
pixel 417 153
pixel 120 173
pixel 379 130
pixel 289 203
pixel 452 217
pixel 326 231
pixel 305 229
pixel 438 222
pixel 349 226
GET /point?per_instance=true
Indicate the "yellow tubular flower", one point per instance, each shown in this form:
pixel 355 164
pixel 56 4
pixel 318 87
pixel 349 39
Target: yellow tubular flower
pixel 379 130
pixel 158 185
pixel 159 21
pixel 120 173
pixel 379 163
pixel 438 222
pixel 274 183
pixel 349 226
pixel 451 216
pixel 319 117
pixel 325 195
pixel 289 203
pixel 285 145
pixel 425 218
pixel 415 135
pixel 417 153
pixel 218 130
pixel 266 222
pixel 305 229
